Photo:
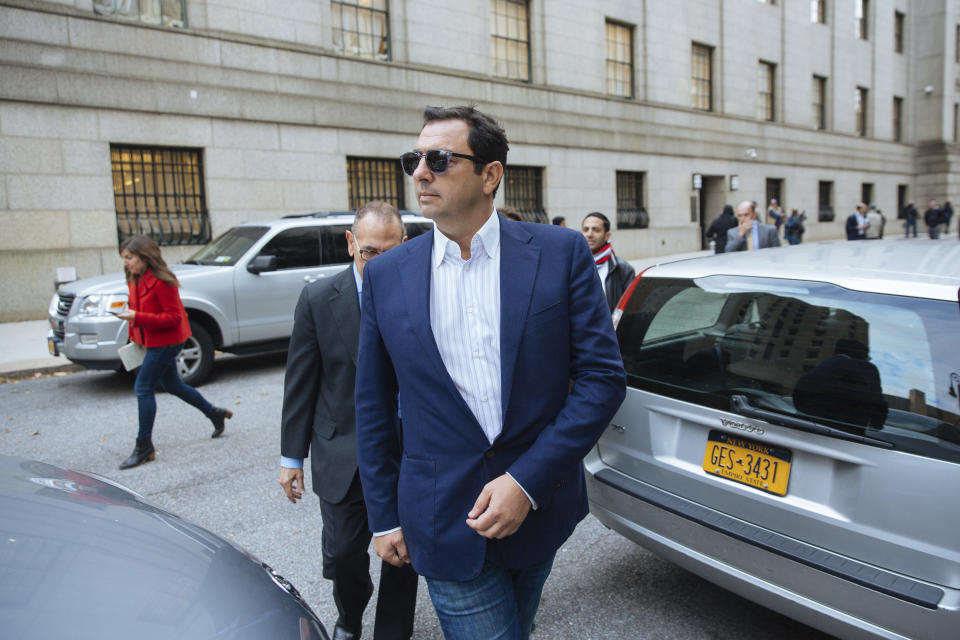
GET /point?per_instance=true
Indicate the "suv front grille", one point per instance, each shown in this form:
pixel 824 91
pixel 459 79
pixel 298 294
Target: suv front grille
pixel 64 304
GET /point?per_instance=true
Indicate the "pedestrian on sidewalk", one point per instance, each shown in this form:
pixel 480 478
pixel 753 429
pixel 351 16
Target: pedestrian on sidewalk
pixel 157 321
pixel 910 215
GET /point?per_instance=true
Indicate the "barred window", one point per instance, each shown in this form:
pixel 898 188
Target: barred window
pixel 701 89
pixel 631 211
pixel 860 104
pixel 819 102
pixel 511 39
pixel 898 119
pixel 169 13
pixel 374 179
pixel 818 11
pixel 619 60
pixel 766 98
pixel 158 192
pixel 898 21
pixel 825 201
pixel 523 191
pixel 862 11
pixel 361 28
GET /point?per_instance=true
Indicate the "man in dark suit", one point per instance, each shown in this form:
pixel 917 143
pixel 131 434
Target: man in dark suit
pixel 495 339
pixel 856 224
pixel 615 274
pixel 319 419
pixel 750 234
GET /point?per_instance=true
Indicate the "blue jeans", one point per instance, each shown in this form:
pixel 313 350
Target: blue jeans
pixel 499 604
pixel 160 367
pixel 910 224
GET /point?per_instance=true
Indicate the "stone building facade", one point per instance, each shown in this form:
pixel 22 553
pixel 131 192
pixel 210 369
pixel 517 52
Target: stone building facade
pixel 185 117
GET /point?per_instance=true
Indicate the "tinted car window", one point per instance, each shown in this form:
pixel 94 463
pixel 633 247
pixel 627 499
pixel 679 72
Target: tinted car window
pixel 295 248
pixel 335 244
pixel 229 247
pixel 414 229
pixel 865 363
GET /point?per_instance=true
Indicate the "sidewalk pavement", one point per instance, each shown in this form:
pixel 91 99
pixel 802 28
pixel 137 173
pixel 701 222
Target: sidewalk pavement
pixel 23 350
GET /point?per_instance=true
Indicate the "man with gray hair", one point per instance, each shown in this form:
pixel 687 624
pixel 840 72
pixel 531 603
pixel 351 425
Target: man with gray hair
pixel 319 419
pixel 750 234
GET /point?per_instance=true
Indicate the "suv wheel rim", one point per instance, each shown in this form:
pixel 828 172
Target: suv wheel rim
pixel 188 361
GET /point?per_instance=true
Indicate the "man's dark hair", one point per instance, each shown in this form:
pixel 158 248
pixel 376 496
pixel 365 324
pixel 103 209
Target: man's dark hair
pixel 558 220
pixel 509 212
pixel 603 219
pixel 487 140
pixel 382 211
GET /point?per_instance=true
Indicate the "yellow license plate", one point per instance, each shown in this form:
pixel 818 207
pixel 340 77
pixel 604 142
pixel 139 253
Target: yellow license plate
pixel 759 465
pixel 50 347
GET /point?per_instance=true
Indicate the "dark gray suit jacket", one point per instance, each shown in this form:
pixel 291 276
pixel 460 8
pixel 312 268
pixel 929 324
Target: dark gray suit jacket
pixel 318 408
pixel 768 238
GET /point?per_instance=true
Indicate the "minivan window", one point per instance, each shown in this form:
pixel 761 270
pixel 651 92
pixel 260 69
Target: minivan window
pixel 295 248
pixel 865 363
pixel 228 247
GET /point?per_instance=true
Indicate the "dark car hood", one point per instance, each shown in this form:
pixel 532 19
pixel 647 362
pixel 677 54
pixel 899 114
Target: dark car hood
pixel 82 558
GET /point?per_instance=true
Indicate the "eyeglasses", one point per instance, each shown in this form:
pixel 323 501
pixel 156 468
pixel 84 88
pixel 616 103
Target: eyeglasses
pixel 366 254
pixel 438 160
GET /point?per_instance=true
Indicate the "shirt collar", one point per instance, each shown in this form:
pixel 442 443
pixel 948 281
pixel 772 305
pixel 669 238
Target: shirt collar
pixel 357 279
pixel 487 240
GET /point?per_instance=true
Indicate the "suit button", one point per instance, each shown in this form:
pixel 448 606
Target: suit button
pixel 489 454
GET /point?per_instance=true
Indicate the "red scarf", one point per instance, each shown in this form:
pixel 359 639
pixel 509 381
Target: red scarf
pixel 603 254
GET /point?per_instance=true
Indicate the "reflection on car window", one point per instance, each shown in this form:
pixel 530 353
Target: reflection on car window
pixel 295 248
pixel 691 308
pixel 229 247
pixel 857 361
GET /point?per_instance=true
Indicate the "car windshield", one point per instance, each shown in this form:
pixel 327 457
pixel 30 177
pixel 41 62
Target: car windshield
pixel 228 248
pixel 865 364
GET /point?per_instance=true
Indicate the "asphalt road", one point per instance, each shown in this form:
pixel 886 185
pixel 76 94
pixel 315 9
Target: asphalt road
pixel 602 585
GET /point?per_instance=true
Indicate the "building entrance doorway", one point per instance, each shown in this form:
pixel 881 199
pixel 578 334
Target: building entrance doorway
pixel 712 197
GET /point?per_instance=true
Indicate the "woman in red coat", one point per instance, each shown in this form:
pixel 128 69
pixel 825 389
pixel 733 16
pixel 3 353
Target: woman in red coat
pixel 157 321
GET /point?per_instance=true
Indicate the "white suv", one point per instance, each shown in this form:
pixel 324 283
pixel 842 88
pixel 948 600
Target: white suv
pixel 239 292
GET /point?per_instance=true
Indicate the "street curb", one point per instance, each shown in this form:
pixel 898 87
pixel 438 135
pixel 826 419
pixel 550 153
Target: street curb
pixel 34 372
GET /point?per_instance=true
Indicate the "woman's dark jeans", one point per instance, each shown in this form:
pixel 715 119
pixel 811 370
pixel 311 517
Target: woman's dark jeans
pixel 160 367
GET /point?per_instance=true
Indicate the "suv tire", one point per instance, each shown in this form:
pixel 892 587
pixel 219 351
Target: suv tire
pixel 195 360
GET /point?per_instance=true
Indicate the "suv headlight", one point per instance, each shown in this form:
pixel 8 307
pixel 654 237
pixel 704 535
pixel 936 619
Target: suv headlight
pixel 54 303
pixel 98 305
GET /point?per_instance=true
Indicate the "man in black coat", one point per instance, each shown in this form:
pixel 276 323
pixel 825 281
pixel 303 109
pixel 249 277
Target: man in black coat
pixel 933 217
pixel 319 419
pixel 615 274
pixel 910 215
pixel 719 227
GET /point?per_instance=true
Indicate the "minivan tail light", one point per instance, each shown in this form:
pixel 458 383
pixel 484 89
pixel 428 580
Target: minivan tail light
pixel 625 298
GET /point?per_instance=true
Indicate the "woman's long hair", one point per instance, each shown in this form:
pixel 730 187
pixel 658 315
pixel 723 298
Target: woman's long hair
pixel 149 251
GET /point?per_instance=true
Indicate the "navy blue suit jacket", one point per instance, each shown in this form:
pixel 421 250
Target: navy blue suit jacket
pixel 562 380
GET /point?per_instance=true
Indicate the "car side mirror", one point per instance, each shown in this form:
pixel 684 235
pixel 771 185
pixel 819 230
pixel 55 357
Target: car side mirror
pixel 262 263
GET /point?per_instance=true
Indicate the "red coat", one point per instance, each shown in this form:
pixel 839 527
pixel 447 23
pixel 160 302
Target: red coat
pixel 161 319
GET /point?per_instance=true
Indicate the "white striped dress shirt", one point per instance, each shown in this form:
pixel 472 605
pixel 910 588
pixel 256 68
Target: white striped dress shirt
pixel 465 318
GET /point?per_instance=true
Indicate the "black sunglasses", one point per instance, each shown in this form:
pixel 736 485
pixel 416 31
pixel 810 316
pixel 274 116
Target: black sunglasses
pixel 438 160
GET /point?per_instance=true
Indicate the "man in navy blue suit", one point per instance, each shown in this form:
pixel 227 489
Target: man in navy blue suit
pixel 492 338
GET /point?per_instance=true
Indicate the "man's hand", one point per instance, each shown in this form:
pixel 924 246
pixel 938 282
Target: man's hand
pixel 392 548
pixel 500 508
pixel 292 482
pixel 744 226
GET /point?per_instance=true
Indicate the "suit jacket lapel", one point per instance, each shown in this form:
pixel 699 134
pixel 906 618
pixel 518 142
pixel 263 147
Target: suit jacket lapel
pixel 519 261
pixel 345 308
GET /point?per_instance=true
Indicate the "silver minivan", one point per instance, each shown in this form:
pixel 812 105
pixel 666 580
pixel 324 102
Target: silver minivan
pixel 791 430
